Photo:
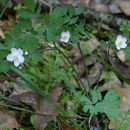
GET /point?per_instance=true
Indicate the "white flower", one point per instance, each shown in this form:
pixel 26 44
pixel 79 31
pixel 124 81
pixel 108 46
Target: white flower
pixel 16 56
pixel 120 42
pixel 26 53
pixel 65 36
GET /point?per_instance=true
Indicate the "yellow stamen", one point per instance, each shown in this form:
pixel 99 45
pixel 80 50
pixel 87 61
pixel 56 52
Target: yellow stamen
pixel 120 42
pixel 15 57
pixel 65 36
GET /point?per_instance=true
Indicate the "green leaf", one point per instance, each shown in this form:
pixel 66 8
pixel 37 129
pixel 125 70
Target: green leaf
pixel 111 95
pixel 71 11
pixel 9 40
pixel 3 53
pixel 127 53
pixel 65 10
pixel 86 108
pixel 93 110
pixel 80 10
pixel 24 23
pixel 103 45
pixel 36 58
pixel 96 95
pixel 31 43
pixel 85 100
pixel 38 12
pixel 25 13
pixel 51 30
pixel 29 4
pixel 2 46
pixel 41 29
pixel 56 14
pixel 4 66
pixel 73 21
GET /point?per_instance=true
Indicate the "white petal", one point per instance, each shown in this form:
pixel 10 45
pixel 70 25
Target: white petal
pixel 68 34
pixel 66 40
pixel 21 59
pixel 118 47
pixel 10 57
pixel 16 63
pixel 20 51
pixel 124 39
pixel 117 42
pixel 123 45
pixel 62 39
pixel 13 50
pixel 63 34
pixel 119 37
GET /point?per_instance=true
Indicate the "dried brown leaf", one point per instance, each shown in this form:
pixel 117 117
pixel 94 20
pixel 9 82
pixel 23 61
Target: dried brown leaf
pixel 8 119
pixel 45 107
pixel 2 34
pixel 125 7
pixel 121 56
pixel 113 7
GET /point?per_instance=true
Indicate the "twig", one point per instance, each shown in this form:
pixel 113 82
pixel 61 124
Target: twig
pixel 40 114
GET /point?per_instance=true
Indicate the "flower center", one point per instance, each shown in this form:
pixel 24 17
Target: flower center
pixel 65 37
pixel 120 42
pixel 15 57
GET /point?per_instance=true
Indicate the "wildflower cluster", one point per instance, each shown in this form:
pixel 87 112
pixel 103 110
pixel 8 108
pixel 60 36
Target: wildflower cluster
pixel 16 55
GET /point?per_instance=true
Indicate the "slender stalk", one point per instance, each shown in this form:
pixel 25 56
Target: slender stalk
pixel 97 123
pixel 37 51
pixel 72 67
pixel 3 11
pixel 40 114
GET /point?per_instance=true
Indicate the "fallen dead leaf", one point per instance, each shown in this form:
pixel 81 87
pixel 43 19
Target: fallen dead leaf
pixel 124 94
pixel 113 7
pixel 66 126
pixel 94 74
pixel 112 83
pixel 101 7
pixel 125 6
pixel 90 44
pixel 121 56
pixel 45 107
pixel 8 119
pixel 2 34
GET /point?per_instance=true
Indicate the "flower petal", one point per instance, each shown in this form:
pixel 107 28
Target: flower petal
pixel 13 50
pixel 20 51
pixel 123 45
pixel 10 57
pixel 117 42
pixel 68 34
pixel 63 34
pixel 21 59
pixel 119 37
pixel 66 40
pixel 16 63
pixel 124 39
pixel 118 47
